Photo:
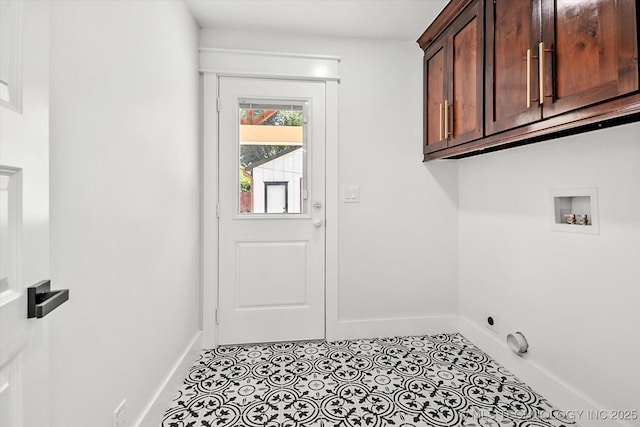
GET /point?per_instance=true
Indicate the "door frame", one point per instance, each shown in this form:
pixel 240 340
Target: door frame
pixel 217 63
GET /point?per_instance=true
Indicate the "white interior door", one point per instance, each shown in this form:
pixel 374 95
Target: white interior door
pixel 271 225
pixel 24 210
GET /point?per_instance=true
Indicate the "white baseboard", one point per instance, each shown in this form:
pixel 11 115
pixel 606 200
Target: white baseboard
pixel 425 325
pixel 154 411
pixel 559 393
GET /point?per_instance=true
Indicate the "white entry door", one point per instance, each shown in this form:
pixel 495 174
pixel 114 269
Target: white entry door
pixel 24 210
pixel 271 208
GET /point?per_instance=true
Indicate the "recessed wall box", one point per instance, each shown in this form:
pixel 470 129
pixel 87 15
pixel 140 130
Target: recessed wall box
pixel 575 210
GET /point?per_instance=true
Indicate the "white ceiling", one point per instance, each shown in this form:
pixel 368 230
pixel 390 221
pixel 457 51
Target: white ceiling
pixel 382 19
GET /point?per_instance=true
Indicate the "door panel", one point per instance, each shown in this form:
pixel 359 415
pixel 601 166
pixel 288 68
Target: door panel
pixel 434 99
pixel 465 85
pixel 580 40
pixel 24 211
pixel 466 118
pixel 271 274
pixel 513 29
pixel 465 63
pixel 595 52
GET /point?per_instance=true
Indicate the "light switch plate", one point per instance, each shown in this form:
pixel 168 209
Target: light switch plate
pixel 351 194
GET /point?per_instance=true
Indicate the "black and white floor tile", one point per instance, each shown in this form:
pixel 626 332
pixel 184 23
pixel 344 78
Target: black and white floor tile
pixel 439 381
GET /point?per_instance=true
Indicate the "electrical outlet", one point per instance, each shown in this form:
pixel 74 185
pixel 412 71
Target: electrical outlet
pixel 120 415
pixel 491 321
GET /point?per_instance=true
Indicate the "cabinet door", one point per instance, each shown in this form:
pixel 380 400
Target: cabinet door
pixel 465 76
pixel 593 52
pixel 513 32
pixel 434 87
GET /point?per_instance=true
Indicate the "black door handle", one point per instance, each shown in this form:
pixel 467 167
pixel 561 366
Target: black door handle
pixel 42 301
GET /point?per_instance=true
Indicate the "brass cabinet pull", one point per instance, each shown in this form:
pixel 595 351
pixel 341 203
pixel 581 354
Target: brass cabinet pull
pixel 541 71
pixel 528 78
pixel 451 121
pixel 530 58
pixel 541 52
pixel 440 122
pixel 446 119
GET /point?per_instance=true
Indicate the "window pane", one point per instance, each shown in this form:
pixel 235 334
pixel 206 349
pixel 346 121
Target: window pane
pixel 4 233
pixel 272 158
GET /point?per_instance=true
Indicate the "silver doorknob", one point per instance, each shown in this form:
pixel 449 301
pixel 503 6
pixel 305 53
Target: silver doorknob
pixel 317 222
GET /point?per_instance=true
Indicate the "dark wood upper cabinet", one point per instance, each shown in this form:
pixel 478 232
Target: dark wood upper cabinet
pixel 590 52
pixel 579 53
pixel 531 70
pixel 453 82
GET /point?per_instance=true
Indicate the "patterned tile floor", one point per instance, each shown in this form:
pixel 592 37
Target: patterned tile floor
pixel 441 380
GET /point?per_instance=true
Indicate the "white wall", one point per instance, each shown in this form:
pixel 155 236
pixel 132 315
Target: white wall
pixel 124 202
pixel 574 296
pixel 398 246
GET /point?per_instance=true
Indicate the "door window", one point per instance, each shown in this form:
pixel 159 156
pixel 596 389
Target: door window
pixel 272 159
pixel 8 228
pixel 4 233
